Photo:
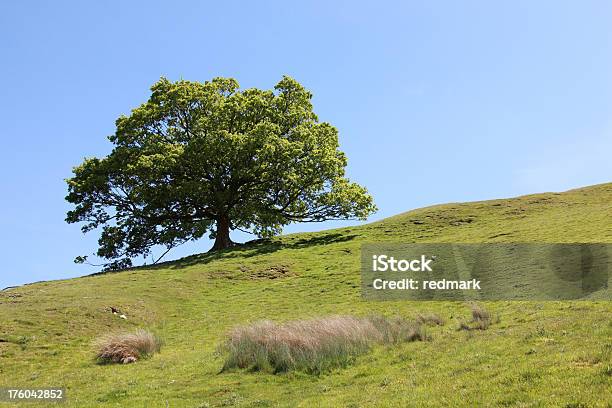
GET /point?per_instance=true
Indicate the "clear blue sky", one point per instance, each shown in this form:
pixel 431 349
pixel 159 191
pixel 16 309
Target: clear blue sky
pixel 436 101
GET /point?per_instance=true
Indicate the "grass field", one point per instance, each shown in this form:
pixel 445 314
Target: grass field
pixel 539 353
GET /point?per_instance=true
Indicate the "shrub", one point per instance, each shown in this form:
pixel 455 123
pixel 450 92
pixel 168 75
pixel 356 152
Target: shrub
pixel 126 347
pixel 313 346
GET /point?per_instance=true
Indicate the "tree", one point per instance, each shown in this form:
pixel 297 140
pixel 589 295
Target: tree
pixel 201 158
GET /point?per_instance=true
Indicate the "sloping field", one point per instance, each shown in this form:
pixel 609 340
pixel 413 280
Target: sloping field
pixel 537 354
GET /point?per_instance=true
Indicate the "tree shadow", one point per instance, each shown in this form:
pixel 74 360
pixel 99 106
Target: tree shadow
pixel 255 248
pixel 248 249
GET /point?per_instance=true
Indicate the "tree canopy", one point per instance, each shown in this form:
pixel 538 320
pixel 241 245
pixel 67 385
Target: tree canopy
pixel 200 158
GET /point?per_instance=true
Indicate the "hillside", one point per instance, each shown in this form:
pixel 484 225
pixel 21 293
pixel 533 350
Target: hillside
pixel 539 354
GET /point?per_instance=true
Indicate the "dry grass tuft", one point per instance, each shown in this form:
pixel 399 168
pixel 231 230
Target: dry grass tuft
pixel 397 330
pixel 481 319
pixel 315 345
pixel 479 313
pixel 126 347
pixel 430 319
pixel 464 326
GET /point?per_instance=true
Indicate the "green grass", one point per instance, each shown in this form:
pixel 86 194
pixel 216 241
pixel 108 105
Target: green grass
pixel 538 354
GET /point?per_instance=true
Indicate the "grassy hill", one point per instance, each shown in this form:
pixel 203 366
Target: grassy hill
pixel 539 354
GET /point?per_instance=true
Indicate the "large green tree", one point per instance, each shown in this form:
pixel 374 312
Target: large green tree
pixel 208 157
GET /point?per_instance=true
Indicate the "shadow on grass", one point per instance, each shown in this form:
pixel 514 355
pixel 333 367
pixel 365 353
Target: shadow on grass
pixel 248 249
pixel 255 248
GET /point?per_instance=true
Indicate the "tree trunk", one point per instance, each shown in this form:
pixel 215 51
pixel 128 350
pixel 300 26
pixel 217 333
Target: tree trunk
pixel 222 239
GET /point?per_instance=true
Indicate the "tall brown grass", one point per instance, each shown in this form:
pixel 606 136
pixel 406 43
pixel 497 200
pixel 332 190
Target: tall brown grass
pixel 479 313
pixel 481 319
pixel 315 345
pixel 126 347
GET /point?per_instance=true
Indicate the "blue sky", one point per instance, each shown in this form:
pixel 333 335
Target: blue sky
pixel 435 101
